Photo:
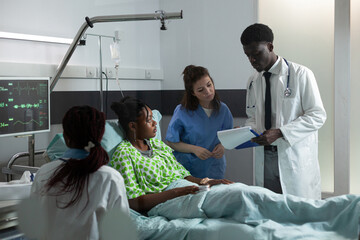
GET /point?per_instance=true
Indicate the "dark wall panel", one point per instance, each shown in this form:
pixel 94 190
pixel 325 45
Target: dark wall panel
pixel 163 100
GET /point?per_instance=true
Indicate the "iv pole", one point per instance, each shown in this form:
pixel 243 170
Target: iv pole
pixel 101 69
pixel 158 15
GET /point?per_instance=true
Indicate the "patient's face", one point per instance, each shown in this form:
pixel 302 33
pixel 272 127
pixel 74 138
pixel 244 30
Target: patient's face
pixel 146 125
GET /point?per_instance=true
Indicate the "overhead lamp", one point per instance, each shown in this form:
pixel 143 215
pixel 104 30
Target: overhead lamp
pixel 36 38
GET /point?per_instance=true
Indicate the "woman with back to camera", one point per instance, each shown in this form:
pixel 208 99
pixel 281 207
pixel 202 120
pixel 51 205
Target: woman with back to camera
pixel 192 131
pixel 76 190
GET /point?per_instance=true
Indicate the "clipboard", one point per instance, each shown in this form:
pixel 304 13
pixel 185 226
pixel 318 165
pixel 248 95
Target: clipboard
pixel 249 143
pixel 237 138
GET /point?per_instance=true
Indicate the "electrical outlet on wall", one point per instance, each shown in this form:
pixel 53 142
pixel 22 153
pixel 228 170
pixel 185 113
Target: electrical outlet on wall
pixel 91 72
pixel 110 72
pixel 147 74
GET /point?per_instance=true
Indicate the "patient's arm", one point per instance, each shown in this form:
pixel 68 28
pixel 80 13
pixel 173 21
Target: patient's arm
pixel 200 152
pixel 145 202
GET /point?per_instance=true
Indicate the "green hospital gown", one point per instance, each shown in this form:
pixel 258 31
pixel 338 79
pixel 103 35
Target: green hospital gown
pixel 143 175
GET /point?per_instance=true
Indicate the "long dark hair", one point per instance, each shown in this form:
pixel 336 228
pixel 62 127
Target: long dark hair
pixel 128 110
pixel 81 124
pixel 191 75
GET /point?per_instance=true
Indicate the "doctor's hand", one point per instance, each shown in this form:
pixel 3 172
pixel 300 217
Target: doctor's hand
pixel 202 153
pixel 218 151
pixel 268 137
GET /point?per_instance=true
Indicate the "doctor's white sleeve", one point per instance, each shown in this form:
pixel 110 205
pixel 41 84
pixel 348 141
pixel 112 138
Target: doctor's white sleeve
pixel 310 104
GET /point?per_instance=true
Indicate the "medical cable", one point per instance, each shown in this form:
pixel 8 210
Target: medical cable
pixel 106 92
pixel 115 56
pixel 117 78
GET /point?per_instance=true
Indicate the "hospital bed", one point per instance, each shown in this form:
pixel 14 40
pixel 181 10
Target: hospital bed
pixel 159 227
pixel 17 169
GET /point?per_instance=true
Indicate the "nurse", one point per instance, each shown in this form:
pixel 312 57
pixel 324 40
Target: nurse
pixel 192 131
pixel 76 190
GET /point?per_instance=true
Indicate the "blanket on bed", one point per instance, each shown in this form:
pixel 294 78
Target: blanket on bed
pixel 240 211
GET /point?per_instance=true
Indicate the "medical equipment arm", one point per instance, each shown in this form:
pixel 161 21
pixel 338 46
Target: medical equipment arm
pixel 161 15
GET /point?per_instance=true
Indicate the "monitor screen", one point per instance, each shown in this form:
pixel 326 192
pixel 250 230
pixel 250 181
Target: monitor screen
pixel 24 105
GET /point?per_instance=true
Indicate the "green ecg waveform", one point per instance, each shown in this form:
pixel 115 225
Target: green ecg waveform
pixel 4 125
pixel 39 89
pixel 25 123
pixel 28 105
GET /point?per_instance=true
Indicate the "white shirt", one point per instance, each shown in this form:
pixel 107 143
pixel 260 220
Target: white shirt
pixel 208 111
pixel 106 191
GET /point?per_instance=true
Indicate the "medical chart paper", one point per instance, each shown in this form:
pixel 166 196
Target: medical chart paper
pixel 237 137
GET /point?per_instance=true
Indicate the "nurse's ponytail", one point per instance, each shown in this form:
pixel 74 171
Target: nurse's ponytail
pixel 83 128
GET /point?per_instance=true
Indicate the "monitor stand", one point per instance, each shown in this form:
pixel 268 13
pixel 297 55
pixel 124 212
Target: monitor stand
pixel 31 149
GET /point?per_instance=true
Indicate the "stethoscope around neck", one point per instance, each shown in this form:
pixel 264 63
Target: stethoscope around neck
pixel 287 92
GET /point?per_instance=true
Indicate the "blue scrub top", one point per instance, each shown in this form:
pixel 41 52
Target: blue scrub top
pixel 196 128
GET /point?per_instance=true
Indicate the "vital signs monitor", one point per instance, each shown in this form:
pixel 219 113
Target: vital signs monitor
pixel 24 105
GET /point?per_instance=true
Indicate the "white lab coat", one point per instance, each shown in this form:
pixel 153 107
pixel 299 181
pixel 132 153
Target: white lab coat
pixel 106 191
pixel 298 117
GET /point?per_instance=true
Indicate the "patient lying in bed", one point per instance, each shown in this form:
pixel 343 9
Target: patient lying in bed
pixel 158 185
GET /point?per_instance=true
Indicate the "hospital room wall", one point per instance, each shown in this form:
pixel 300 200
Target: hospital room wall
pixel 209 35
pixel 140 49
pixel 355 98
pixel 304 33
pixel 139 44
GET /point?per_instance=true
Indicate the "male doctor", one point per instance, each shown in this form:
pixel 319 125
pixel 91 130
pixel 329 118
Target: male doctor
pixel 284 104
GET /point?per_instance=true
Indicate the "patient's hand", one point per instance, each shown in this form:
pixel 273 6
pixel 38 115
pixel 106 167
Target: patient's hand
pixel 202 153
pixel 213 182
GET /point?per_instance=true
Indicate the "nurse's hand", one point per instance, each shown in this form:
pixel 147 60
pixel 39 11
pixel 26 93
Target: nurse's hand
pixel 218 151
pixel 268 137
pixel 202 153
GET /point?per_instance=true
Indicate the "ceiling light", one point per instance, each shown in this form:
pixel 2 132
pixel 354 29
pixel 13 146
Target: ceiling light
pixel 36 38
